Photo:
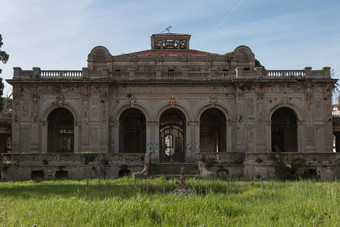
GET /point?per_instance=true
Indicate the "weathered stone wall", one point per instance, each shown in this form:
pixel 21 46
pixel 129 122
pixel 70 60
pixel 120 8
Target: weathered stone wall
pixel 191 82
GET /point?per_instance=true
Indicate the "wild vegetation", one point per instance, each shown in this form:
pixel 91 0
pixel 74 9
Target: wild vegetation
pixel 150 202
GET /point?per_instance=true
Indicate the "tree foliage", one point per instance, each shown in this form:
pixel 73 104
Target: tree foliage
pixel 229 56
pixel 3 58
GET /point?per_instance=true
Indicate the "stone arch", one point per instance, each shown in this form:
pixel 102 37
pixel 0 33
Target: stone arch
pixel 290 105
pixel 46 113
pixel 98 58
pixel 60 131
pixel 225 110
pixel 213 130
pixel 176 106
pixel 117 113
pixel 101 50
pixel 132 131
pixel 284 130
pixel 243 53
pixel 172 135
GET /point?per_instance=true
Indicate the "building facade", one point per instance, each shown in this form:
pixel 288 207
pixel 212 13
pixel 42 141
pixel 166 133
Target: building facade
pixel 169 104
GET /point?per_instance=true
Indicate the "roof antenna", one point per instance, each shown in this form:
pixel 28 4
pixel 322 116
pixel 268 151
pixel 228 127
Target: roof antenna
pixel 167 29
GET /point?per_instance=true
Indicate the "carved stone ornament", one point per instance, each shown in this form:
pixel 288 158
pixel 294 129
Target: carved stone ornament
pixel 85 111
pixel 213 100
pixel 35 110
pixel 132 100
pixel 284 99
pixel 172 100
pixel 260 95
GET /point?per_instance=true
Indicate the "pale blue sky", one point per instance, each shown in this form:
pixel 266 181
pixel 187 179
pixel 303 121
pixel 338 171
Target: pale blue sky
pixel 283 34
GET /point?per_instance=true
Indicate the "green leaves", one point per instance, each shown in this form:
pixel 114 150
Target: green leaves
pixel 3 55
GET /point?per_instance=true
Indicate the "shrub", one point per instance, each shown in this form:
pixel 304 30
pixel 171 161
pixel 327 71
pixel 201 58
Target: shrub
pixel 289 169
pixel 88 157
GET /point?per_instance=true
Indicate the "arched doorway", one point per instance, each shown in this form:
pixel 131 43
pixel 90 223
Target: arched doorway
pixel 60 131
pixel 132 131
pixel 172 136
pixel 212 131
pixel 284 130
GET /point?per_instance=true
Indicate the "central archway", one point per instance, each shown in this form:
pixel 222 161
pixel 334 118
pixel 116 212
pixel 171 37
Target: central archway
pixel 60 131
pixel 172 136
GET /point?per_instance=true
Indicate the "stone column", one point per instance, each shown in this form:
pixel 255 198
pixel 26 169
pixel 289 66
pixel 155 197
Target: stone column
pixel 44 136
pixel 192 145
pixel 116 137
pixel 300 136
pixel 268 135
pixel 76 137
pixel 153 142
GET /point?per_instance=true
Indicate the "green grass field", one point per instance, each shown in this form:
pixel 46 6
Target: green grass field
pixel 122 202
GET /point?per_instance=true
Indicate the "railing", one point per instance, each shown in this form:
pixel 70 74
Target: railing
pixel 172 75
pixel 223 157
pixel 310 158
pixel 226 74
pixel 72 157
pixel 187 75
pixel 199 75
pixel 119 75
pixel 285 73
pixel 145 75
pixel 61 74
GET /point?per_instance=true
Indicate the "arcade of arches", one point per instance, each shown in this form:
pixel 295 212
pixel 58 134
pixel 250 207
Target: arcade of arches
pixel 172 132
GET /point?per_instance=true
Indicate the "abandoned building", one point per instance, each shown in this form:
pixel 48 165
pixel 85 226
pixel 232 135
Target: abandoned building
pixel 167 107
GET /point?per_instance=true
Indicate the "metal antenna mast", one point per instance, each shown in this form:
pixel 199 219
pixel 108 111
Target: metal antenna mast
pixel 167 29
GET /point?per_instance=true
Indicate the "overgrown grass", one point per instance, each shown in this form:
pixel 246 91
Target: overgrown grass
pixel 122 202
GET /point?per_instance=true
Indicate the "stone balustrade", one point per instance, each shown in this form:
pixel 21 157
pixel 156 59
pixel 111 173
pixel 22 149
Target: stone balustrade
pixel 285 73
pixel 223 157
pixel 311 158
pixel 145 75
pixel 107 158
pixel 132 74
pixel 199 75
pixel 119 75
pixel 61 74
pixel 240 158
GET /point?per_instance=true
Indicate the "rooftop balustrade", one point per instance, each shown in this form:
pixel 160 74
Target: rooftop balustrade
pixel 285 73
pixel 158 74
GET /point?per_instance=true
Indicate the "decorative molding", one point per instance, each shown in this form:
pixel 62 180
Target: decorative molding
pixel 172 100
pixel 132 100
pixel 284 99
pixel 213 100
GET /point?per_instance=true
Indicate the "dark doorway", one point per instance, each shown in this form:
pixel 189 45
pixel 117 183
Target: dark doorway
pixel 60 131
pixel 284 130
pixel 132 131
pixel 61 175
pixel 212 131
pixel 172 136
pixel 37 175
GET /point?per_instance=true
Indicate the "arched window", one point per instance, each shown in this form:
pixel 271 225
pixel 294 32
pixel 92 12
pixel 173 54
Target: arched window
pixel 132 131
pixel 284 130
pixel 60 131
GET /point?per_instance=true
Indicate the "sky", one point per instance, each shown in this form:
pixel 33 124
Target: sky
pixel 59 35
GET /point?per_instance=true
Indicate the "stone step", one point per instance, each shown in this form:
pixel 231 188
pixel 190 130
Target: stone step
pixel 176 176
pixel 173 168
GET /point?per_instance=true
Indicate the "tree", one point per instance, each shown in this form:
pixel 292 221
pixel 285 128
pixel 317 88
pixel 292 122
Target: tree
pixel 3 58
